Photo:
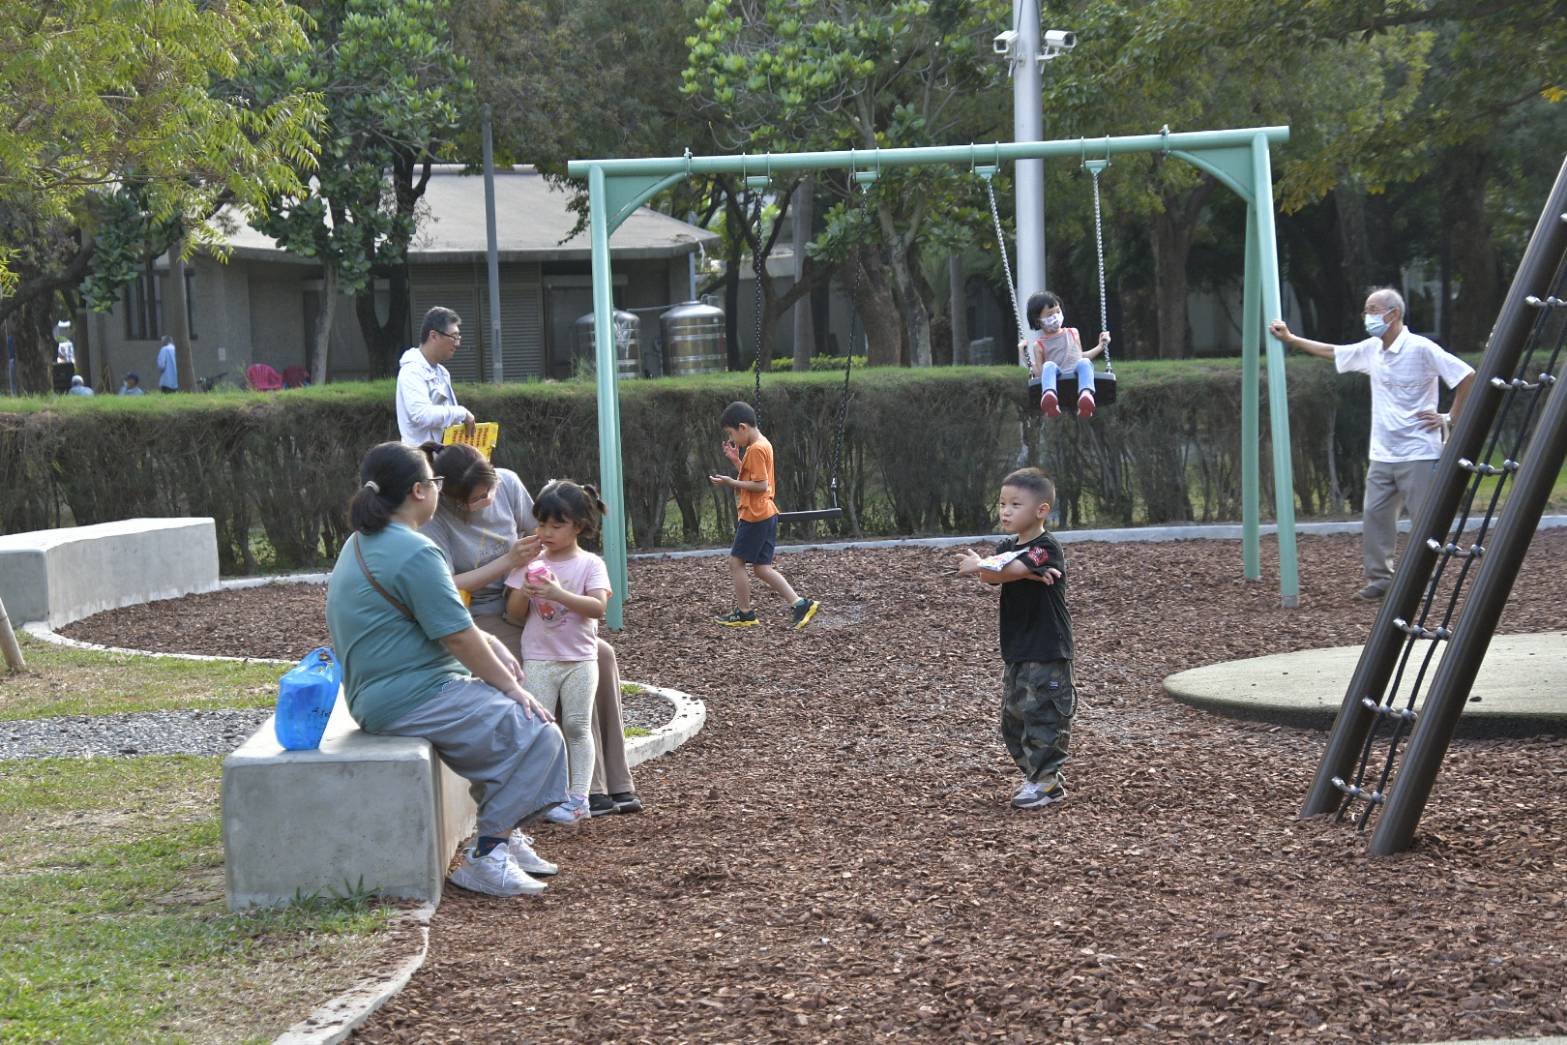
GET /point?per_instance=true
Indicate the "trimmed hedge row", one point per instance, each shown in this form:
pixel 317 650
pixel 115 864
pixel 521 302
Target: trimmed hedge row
pixel 923 452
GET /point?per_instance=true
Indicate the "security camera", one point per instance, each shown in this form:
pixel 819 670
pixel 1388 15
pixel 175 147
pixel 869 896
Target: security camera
pixel 1059 40
pixel 1005 42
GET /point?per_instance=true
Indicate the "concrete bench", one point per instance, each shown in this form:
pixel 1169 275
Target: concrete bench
pixel 58 576
pixel 380 813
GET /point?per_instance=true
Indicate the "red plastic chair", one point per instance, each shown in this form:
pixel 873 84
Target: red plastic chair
pixel 295 376
pixel 263 378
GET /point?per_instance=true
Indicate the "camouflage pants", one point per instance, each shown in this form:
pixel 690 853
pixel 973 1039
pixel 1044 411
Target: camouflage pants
pixel 1037 703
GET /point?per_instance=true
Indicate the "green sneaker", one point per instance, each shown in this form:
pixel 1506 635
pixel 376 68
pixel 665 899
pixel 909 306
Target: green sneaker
pixel 738 619
pixel 804 610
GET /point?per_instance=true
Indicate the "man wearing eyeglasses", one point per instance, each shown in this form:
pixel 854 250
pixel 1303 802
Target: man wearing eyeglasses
pixel 426 403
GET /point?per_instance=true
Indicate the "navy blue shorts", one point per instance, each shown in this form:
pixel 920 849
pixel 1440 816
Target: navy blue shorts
pixel 754 541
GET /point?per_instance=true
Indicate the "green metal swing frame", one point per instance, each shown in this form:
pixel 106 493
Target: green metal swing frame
pixel 1238 158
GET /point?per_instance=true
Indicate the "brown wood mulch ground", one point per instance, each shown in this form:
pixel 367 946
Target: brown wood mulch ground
pixel 833 856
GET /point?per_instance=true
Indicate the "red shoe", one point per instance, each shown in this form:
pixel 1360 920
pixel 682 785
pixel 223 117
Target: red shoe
pixel 1085 405
pixel 1050 404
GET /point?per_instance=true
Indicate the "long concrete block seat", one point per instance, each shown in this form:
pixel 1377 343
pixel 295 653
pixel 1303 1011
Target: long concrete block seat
pixel 58 576
pixel 383 814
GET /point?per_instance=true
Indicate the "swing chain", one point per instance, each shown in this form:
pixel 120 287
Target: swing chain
pixel 1099 250
pixel 756 267
pixel 1006 266
pixel 848 362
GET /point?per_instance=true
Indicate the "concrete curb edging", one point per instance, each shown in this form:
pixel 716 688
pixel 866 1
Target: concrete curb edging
pixel 689 718
pixel 338 1018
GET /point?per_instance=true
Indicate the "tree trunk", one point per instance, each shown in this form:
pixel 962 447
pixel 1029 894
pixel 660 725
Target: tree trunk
pixel 878 313
pixel 1172 243
pixel 1354 251
pixel 910 305
pixel 959 308
pixel 32 325
pixel 321 336
pixel 8 644
pixel 178 318
pixel 386 341
pixel 1479 271
pixel 800 229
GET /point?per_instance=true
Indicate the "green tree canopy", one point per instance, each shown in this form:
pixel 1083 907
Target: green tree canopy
pixel 396 94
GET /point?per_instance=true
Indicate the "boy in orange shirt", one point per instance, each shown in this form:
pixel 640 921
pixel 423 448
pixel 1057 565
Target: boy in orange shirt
pixel 757 531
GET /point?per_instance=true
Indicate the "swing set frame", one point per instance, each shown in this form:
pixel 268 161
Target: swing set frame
pixel 1238 158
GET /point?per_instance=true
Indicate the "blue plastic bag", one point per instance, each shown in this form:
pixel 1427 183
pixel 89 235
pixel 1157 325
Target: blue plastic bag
pixel 305 697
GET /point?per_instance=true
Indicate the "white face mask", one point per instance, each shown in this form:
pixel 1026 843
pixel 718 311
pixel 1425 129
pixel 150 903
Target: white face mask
pixel 1052 323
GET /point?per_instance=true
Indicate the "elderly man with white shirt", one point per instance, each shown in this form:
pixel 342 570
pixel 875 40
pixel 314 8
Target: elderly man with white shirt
pixel 1406 429
pixel 426 403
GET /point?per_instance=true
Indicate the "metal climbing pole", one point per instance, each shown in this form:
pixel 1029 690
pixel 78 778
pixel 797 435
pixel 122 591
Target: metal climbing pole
pixel 1491 444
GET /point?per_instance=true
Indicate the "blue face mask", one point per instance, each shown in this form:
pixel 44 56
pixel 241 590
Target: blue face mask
pixel 1376 325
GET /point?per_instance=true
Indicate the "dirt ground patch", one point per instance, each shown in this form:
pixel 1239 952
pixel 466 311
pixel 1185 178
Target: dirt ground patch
pixel 833 856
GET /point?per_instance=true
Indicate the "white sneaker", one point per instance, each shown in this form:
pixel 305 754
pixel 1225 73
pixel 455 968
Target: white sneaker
pixel 572 811
pixel 495 874
pixel 521 848
pixel 1037 796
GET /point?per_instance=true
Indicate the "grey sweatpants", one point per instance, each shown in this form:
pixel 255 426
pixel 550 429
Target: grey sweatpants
pixel 1390 487
pixel 515 766
pixel 611 774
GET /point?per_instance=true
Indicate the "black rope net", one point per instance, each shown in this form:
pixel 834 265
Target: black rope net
pixel 1512 428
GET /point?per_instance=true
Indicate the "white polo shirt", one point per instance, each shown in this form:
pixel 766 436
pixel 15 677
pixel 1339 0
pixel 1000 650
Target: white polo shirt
pixel 1403 383
pixel 426 403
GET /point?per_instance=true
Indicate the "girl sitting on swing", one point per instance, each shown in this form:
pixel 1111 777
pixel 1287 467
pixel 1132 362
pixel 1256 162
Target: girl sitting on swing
pixel 1052 349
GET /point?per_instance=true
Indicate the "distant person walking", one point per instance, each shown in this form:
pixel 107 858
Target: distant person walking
pixel 1406 429
pixel 426 402
pixel 168 367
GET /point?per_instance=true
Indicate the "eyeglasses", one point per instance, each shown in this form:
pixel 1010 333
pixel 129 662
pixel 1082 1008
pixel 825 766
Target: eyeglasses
pixel 436 481
pixel 455 338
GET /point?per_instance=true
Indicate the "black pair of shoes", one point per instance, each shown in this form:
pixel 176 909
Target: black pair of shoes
pixel 619 802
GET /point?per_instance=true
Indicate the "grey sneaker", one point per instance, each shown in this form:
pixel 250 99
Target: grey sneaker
pixel 495 874
pixel 1037 796
pixel 1372 593
pixel 521 848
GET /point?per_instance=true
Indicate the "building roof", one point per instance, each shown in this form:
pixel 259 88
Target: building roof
pixel 532 218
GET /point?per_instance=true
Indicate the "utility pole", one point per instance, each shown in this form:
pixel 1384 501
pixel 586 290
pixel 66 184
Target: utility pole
pixel 1027 49
pixel 497 370
pixel 1028 126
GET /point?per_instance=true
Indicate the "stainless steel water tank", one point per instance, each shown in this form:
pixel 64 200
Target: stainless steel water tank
pixel 628 343
pixel 694 339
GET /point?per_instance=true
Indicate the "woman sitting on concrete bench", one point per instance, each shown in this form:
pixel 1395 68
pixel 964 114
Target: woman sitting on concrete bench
pixel 415 665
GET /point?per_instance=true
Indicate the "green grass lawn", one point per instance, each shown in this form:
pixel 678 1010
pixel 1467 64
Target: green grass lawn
pixel 111 880
pixel 111 877
pixel 63 681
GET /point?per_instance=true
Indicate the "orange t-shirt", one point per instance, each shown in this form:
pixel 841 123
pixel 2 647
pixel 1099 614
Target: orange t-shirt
pixel 757 466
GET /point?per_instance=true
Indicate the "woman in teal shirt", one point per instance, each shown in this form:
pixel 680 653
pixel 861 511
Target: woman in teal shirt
pixel 415 665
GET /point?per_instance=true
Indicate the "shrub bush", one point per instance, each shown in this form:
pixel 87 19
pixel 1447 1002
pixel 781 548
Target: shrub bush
pixel 923 452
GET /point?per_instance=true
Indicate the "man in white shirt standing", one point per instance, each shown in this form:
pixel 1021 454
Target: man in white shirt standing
pixel 1406 429
pixel 168 366
pixel 426 403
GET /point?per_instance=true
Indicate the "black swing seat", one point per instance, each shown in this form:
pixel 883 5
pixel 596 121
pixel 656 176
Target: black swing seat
pixel 813 515
pixel 1066 391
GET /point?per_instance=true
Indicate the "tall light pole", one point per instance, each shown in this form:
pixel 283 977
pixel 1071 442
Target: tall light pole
pixel 1022 47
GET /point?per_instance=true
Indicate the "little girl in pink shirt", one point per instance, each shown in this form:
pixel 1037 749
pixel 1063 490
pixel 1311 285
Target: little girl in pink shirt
pixel 560 606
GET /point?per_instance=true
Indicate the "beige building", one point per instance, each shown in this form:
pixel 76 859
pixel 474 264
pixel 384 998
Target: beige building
pixel 260 305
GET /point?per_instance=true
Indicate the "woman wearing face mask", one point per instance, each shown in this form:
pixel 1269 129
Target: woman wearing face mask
pixel 485 527
pixel 1056 349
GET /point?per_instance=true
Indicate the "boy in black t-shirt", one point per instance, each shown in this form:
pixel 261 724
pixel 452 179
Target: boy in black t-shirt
pixel 1038 698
